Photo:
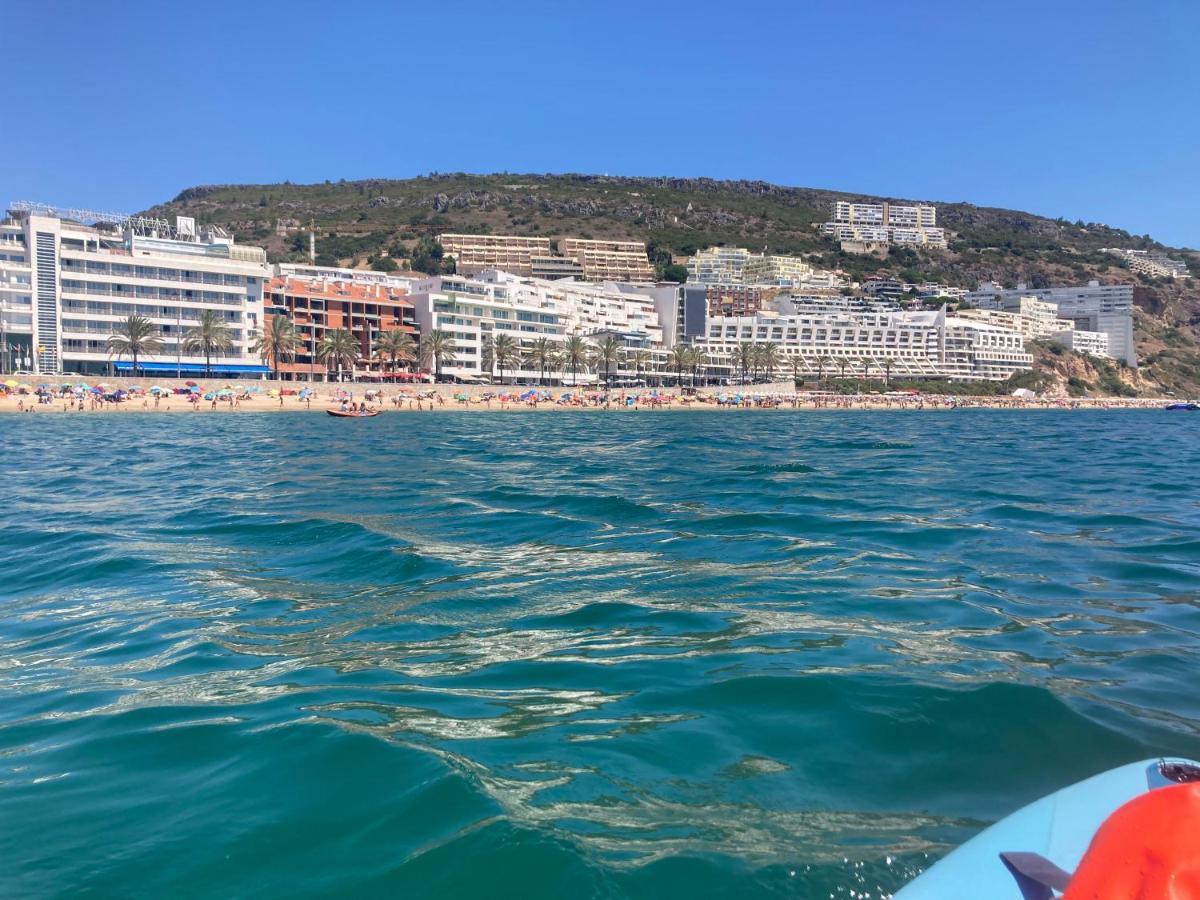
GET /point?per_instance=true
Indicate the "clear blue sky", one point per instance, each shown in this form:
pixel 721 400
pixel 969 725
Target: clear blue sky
pixel 1080 109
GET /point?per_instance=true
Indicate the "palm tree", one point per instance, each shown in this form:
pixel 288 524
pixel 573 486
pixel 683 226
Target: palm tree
pixel 641 360
pixel 340 348
pixel 821 361
pixel 574 354
pixel 605 353
pixel 866 364
pixel 209 337
pixel 504 351
pixel 395 345
pixel 696 359
pixel 680 359
pixel 539 356
pixel 279 340
pixel 440 346
pixel 137 336
pixel 745 357
pixel 842 363
pixel 887 370
pixel 797 364
pixel 768 358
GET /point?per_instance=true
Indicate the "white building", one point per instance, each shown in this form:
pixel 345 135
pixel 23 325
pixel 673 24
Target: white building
pixel 1091 307
pixel 885 223
pixel 475 310
pixel 718 265
pixel 928 344
pixel 1154 264
pixel 1035 319
pixel 87 278
pixel 16 303
pixel 1093 342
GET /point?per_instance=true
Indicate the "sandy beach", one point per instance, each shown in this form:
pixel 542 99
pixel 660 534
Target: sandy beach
pixel 164 396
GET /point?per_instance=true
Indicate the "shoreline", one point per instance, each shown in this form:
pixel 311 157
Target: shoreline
pixel 20 397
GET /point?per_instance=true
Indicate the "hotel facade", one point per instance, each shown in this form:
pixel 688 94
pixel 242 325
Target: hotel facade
pixel 925 344
pixel 70 278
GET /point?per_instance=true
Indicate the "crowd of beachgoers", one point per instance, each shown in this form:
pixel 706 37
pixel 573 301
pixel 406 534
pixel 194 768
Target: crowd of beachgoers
pixel 191 396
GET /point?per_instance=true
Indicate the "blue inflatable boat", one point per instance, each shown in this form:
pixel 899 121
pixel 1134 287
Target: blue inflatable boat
pixel 1057 829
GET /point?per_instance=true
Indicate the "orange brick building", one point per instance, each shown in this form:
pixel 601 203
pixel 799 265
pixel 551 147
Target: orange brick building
pixel 317 305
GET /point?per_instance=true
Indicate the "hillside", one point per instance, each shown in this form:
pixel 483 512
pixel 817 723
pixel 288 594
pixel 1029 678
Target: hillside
pixel 358 223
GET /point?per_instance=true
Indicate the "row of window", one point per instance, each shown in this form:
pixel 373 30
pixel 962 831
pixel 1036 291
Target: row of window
pixel 141 292
pixel 128 270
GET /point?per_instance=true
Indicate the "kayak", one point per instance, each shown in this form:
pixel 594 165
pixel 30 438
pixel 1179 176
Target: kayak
pixel 1058 828
pixel 352 415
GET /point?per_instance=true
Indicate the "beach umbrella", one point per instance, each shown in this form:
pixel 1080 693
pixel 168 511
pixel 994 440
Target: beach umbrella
pixel 190 383
pixel 156 389
pixel 10 383
pixel 193 388
pixel 96 390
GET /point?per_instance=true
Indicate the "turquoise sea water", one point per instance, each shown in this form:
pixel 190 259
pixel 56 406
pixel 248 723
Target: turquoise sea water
pixel 575 655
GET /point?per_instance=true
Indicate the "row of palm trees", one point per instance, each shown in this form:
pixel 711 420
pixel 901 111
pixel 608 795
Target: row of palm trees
pixel 136 336
pixel 339 350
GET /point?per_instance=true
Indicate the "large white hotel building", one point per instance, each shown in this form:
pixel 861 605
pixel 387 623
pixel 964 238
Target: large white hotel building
pixel 923 344
pixel 69 277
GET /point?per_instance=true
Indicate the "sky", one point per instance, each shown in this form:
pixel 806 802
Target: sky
pixel 1086 110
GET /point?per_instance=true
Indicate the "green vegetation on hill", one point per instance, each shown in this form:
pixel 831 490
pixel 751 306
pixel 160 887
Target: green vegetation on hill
pixel 362 223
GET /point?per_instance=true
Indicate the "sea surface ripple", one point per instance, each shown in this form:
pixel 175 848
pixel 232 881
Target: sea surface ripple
pixel 587 655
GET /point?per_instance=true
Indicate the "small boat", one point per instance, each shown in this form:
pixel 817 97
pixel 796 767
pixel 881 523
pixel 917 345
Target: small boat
pixel 1190 407
pixel 346 414
pixel 1042 844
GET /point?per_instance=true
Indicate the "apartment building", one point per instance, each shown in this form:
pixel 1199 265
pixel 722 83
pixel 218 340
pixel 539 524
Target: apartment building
pixel 474 310
pixel 718 265
pixel 1034 318
pixel 1094 343
pixel 609 260
pixel 552 268
pixel 16 302
pixel 88 271
pixel 1107 308
pixel 475 252
pixel 317 305
pixel 1152 263
pixel 926 344
pixel 738 299
pixel 882 224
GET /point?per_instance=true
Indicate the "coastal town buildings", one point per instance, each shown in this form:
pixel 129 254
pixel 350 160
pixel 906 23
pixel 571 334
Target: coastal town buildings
pixel 317 305
pixel 609 260
pixel 923 344
pixel 738 299
pixel 862 227
pixel 474 310
pixel 1152 263
pixel 88 271
pixel 539 257
pixel 473 253
pixel 729 266
pixel 718 265
pixel 1106 308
